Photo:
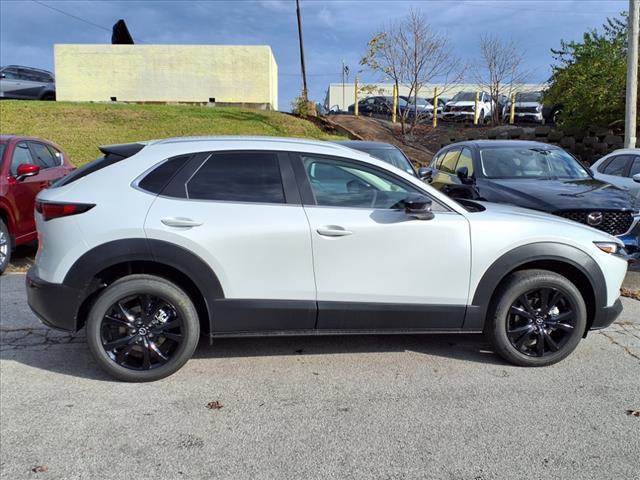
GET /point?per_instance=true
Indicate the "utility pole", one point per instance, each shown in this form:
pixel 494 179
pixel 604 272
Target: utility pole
pixel 342 106
pixel 631 110
pixel 304 71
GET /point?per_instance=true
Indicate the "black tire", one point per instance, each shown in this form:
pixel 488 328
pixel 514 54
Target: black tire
pixel 142 357
pixel 520 307
pixel 5 247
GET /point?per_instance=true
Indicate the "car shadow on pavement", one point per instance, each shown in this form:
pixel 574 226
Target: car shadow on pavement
pixel 71 356
pixel 467 347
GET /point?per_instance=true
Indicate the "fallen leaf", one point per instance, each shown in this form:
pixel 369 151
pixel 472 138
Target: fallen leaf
pixel 215 405
pixel 40 469
pixel 627 292
pixel 633 413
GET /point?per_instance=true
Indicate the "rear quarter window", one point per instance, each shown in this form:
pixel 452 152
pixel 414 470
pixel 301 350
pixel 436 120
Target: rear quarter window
pixel 161 175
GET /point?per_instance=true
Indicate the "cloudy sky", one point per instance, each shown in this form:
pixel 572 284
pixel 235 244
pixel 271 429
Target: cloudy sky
pixel 335 30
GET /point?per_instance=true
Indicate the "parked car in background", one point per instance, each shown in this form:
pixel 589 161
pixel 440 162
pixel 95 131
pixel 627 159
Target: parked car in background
pixel 621 168
pixel 383 151
pixel 538 176
pixel 528 108
pixel 552 112
pixel 462 107
pixel 379 105
pixel 27 165
pixel 26 83
pixel 295 237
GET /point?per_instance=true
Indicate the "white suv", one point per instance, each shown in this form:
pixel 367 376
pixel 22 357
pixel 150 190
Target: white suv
pixel 155 243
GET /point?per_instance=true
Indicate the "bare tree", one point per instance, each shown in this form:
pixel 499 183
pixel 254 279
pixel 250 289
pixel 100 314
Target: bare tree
pixel 499 70
pixel 412 54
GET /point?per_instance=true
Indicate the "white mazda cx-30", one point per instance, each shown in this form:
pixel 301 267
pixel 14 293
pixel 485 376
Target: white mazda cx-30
pixel 156 243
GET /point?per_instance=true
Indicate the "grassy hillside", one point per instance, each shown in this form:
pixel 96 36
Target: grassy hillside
pixel 79 128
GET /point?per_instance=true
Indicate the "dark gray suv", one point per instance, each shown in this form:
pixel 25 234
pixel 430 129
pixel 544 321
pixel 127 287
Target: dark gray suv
pixel 26 83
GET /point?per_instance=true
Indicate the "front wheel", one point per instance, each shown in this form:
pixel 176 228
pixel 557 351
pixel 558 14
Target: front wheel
pixel 5 247
pixel 142 328
pixel 538 320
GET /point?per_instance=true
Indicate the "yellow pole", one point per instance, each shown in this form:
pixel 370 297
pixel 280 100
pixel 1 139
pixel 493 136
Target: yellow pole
pixel 395 103
pixel 435 107
pixel 476 113
pixel 512 110
pixel 355 105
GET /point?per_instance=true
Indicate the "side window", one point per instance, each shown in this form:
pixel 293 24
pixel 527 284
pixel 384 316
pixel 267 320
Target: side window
pixel 43 156
pixel 437 160
pixel 635 167
pixel 238 177
pixel 160 176
pixel 25 75
pixel 337 183
pixel 10 74
pixel 465 160
pixel 617 166
pixel 449 161
pixel 21 154
pixel 56 154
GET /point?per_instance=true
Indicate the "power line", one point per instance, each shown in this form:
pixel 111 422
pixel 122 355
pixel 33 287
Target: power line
pixel 71 15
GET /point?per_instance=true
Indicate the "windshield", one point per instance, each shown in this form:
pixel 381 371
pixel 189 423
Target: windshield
pixel 501 162
pixel 464 97
pixel 528 97
pixel 392 156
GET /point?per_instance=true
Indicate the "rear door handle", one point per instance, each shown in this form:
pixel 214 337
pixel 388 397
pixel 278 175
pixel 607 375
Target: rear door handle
pixel 180 222
pixel 333 231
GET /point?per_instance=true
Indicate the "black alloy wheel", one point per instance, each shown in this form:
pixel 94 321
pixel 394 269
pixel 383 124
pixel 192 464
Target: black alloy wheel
pixel 141 332
pixel 541 322
pixel 142 328
pixel 538 318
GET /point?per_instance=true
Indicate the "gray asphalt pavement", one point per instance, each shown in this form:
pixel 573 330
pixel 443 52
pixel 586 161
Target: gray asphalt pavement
pixel 386 407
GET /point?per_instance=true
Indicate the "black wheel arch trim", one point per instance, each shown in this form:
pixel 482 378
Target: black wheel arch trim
pixel 81 276
pixel 536 252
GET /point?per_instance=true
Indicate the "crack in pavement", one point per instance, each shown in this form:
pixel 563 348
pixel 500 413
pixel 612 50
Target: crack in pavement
pixel 24 338
pixel 615 342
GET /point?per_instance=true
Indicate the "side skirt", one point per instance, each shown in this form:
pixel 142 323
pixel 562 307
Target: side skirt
pixel 322 333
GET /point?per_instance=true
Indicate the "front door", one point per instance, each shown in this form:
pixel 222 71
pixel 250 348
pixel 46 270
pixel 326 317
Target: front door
pixel 376 267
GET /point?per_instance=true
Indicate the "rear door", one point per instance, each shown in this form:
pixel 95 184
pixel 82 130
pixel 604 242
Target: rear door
pixel 375 267
pixel 240 212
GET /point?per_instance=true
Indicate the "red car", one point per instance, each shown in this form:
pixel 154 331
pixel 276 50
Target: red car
pixel 27 165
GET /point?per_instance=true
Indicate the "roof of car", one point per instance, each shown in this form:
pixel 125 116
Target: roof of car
pixel 28 68
pixel 505 143
pixel 364 144
pixel 6 137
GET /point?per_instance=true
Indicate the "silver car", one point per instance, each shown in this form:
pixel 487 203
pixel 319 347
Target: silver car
pixel 26 83
pixel 620 168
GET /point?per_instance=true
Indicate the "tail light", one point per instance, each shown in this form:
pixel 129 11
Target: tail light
pixel 49 210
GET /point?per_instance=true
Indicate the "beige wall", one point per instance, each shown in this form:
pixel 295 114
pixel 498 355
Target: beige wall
pixel 167 73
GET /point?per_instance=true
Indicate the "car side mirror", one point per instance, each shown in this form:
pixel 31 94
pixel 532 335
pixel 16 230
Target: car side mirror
pixel 425 173
pixel 636 178
pixel 2 75
pixel 463 175
pixel 26 170
pixel 418 206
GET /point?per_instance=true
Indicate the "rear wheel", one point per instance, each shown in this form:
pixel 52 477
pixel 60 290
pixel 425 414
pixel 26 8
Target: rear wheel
pixel 142 328
pixel 5 247
pixel 538 320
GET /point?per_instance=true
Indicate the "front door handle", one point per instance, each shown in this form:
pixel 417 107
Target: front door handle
pixel 333 231
pixel 180 222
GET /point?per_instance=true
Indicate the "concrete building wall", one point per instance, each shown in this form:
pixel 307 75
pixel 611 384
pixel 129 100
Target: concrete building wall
pixel 243 75
pixel 334 94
